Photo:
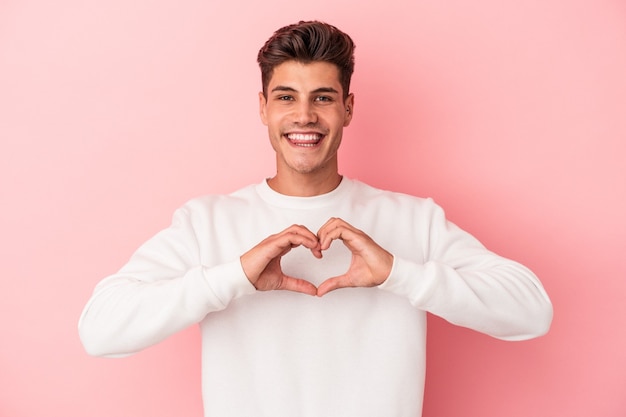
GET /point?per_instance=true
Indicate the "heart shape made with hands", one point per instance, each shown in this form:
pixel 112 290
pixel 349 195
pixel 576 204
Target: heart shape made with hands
pixel 369 264
pixel 301 263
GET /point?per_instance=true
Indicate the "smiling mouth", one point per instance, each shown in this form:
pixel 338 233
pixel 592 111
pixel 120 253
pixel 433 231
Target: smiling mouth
pixel 305 140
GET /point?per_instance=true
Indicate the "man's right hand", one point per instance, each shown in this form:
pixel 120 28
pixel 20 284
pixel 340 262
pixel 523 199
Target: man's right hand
pixel 261 264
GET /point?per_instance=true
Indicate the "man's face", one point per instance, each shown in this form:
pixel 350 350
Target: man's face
pixel 305 113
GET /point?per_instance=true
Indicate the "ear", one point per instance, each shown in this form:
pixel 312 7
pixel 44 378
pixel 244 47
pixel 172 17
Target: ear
pixel 263 108
pixel 349 105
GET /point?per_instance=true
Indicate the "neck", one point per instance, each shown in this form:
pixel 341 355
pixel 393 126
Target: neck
pixel 304 185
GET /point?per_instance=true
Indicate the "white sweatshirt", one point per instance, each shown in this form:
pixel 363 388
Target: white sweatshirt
pixel 356 352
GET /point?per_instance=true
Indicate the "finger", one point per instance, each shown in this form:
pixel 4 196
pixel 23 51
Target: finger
pixel 297 285
pixel 335 228
pixel 329 222
pixel 300 235
pixel 332 284
pixel 256 259
pixel 299 229
pixel 291 241
pixel 284 242
pixel 340 231
pixel 322 233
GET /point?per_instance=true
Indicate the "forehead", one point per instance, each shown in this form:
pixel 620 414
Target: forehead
pixel 305 76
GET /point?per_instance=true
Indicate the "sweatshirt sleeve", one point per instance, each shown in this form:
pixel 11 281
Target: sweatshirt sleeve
pixel 163 289
pixel 467 285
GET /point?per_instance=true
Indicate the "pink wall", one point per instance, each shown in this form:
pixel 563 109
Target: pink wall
pixel 512 115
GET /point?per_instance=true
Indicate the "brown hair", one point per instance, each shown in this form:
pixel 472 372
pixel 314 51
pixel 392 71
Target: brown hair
pixel 308 42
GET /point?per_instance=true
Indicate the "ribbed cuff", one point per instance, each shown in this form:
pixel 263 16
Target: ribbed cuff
pixel 406 279
pixel 228 281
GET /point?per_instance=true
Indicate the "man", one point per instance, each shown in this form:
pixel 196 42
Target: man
pixel 358 268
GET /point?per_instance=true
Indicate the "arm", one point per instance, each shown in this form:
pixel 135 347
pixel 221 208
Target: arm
pixel 503 300
pixel 163 289
pixel 468 285
pixel 459 280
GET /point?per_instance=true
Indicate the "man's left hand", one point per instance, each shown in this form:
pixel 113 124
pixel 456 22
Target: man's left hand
pixel 370 265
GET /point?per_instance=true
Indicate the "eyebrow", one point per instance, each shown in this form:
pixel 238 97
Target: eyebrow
pixel 317 90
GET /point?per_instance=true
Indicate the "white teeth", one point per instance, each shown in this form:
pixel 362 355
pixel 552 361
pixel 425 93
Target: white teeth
pixel 302 136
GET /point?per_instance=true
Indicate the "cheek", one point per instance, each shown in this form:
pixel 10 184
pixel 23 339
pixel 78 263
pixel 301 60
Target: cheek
pixel 275 127
pixel 275 119
pixel 341 118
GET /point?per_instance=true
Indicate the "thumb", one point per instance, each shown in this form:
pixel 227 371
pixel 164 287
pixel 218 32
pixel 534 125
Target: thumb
pixel 290 283
pixel 334 283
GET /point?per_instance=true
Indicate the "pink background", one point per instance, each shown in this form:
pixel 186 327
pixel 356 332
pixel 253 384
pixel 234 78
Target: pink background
pixel 512 115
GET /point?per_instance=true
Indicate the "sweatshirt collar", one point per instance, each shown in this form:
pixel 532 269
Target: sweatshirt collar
pixel 285 201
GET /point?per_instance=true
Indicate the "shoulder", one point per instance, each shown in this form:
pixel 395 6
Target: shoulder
pixel 367 194
pixel 211 204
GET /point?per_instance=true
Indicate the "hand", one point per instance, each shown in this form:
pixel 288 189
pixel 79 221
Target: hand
pixel 261 264
pixel 370 264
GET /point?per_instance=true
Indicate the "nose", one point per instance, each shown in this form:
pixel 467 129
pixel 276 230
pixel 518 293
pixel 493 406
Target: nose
pixel 304 113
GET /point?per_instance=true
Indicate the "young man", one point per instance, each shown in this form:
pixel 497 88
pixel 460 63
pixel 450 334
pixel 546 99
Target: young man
pixel 309 350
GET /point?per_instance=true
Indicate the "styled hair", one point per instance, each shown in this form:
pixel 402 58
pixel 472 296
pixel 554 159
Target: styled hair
pixel 307 42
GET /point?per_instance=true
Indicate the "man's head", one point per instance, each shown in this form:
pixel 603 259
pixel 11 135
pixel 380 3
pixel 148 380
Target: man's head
pixel 308 42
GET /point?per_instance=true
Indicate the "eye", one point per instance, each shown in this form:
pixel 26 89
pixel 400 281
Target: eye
pixel 324 99
pixel 284 98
